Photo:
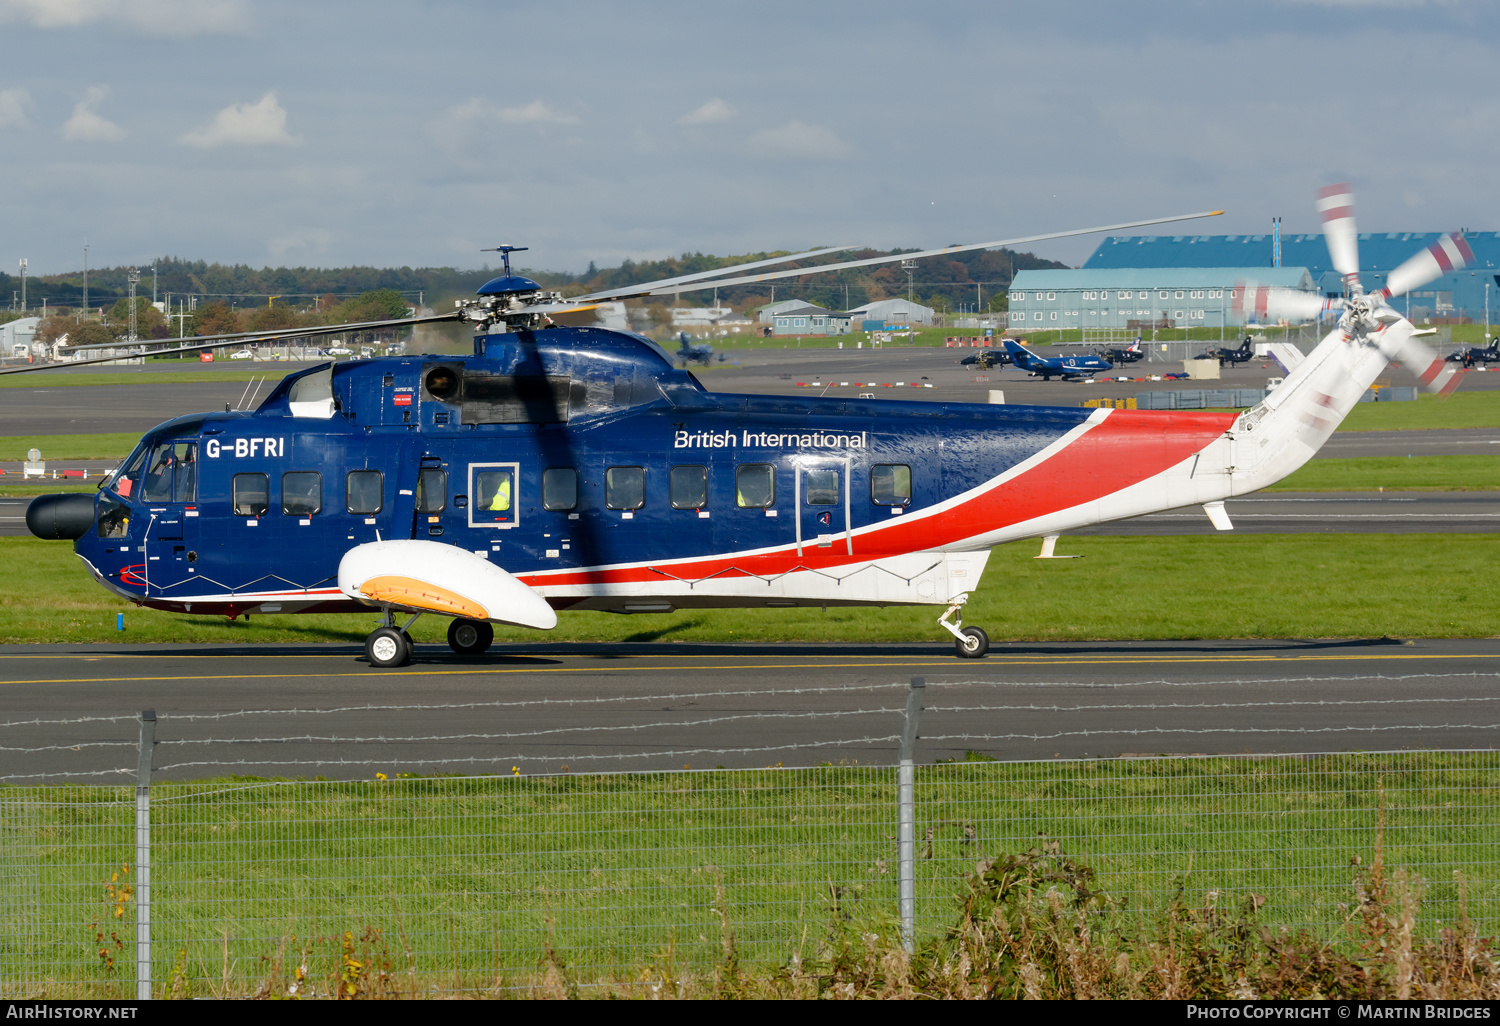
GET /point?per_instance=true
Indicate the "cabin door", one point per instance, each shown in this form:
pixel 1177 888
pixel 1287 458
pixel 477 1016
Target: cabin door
pixel 821 494
pixel 169 488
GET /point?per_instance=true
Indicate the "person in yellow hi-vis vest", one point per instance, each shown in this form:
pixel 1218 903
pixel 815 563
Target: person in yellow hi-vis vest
pixel 501 502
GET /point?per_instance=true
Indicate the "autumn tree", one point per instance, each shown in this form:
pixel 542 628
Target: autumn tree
pixel 273 318
pixel 216 319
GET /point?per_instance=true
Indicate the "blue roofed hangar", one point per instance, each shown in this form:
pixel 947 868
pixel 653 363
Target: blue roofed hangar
pixel 1459 295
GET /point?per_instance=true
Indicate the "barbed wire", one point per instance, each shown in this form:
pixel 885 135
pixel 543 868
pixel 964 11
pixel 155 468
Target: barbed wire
pixel 1155 706
pixel 653 725
pixel 517 759
pixel 739 693
pixel 1159 731
pixel 520 703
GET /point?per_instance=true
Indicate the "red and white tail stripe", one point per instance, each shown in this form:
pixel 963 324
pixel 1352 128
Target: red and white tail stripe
pixel 1450 253
pixel 1336 205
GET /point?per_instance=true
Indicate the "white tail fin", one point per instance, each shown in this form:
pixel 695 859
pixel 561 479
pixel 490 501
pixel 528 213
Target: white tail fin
pixel 1291 424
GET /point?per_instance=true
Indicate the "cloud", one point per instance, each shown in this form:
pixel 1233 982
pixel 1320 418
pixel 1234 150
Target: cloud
pixel 713 111
pixel 478 112
pixel 244 124
pixel 86 125
pixel 14 103
pixel 172 18
pixel 797 140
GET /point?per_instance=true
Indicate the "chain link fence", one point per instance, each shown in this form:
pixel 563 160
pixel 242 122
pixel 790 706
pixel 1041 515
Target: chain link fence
pixel 426 886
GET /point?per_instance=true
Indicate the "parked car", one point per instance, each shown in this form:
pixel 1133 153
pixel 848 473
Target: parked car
pixel 243 354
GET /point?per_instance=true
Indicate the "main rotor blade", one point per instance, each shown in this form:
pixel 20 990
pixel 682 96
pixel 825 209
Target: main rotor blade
pixel 1336 205
pixel 1450 253
pixel 635 290
pixel 265 336
pixel 800 271
pixel 111 359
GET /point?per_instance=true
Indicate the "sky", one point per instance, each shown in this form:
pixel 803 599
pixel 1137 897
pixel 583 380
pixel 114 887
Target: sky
pixel 389 133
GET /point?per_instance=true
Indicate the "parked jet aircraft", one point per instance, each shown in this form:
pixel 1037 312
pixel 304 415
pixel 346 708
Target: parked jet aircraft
pixel 1049 367
pixel 688 353
pixel 1129 354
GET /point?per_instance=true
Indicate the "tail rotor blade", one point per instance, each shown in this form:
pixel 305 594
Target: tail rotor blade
pixel 1433 372
pixel 1262 303
pixel 1450 253
pixel 1336 206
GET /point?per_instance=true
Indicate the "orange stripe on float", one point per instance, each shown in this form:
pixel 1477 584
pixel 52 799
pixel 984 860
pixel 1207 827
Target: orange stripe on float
pixel 405 591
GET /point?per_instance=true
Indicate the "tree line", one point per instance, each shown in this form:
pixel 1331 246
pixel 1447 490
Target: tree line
pixel 220 318
pixel 946 283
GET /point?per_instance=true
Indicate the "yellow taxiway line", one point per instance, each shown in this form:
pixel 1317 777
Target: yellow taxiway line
pixel 885 664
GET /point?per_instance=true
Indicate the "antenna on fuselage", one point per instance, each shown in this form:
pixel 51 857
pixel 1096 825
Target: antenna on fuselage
pixel 505 252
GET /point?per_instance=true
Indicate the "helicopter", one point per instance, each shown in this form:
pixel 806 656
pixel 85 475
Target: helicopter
pixel 562 468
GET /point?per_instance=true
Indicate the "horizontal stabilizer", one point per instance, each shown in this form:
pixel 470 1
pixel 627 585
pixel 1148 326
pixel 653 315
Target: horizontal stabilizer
pixel 1286 355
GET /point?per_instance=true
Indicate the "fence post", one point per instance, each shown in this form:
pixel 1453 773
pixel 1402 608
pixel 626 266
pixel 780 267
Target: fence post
pixel 906 816
pixel 143 857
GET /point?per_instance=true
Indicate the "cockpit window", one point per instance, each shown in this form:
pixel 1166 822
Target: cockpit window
pixel 171 473
pixel 129 475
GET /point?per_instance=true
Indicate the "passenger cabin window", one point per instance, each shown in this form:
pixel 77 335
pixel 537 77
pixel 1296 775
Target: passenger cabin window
pixel 560 489
pixel 432 491
pixel 822 487
pixel 890 484
pixel 755 485
pixel 365 491
pixel 252 495
pixel 625 487
pixel 494 497
pixel 689 487
pixel 171 473
pixel 301 493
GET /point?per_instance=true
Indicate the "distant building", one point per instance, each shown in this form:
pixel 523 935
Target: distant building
pixel 894 311
pixel 767 314
pixel 16 336
pixel 1139 298
pixel 689 316
pixel 1458 294
pixel 806 319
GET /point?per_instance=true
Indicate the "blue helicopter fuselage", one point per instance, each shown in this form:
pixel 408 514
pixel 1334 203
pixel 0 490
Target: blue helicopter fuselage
pixel 617 469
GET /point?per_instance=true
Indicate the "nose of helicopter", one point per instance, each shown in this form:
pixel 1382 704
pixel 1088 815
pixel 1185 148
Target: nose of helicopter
pixel 68 516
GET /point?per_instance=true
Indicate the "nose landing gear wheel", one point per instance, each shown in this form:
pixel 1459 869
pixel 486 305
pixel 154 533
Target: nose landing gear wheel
pixel 973 645
pixel 470 637
pixel 386 647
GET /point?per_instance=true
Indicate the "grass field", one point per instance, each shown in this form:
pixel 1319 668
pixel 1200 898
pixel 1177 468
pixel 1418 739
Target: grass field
pixel 452 884
pixel 114 446
pixel 1245 586
pixel 272 370
pixel 1395 474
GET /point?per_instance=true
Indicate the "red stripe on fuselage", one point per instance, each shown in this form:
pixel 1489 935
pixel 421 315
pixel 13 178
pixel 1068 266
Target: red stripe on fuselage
pixel 1127 447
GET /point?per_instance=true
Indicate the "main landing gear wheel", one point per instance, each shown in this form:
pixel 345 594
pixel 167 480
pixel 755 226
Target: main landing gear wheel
pixel 470 637
pixel 387 646
pixel 974 643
